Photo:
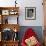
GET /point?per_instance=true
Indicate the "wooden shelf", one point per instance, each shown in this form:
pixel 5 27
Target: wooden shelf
pixel 11 26
pixel 9 43
pixel 4 13
pixel 9 9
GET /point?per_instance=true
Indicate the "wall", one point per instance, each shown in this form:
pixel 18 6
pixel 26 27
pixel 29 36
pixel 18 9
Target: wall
pixel 27 3
pixel 39 12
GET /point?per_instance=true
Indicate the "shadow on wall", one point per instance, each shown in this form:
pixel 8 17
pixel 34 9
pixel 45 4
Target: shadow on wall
pixel 37 29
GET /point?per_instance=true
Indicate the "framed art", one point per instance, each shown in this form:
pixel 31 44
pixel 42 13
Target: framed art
pixel 30 13
pixel 5 12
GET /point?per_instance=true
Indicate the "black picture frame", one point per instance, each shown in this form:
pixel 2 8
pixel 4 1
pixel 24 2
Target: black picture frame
pixel 30 13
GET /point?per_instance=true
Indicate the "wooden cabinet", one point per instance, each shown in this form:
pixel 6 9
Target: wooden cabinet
pixel 9 43
pixel 5 26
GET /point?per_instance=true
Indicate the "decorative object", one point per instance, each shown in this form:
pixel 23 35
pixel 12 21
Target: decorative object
pixel 9 20
pixel 15 37
pixel 5 12
pixel 31 41
pixel 15 3
pixel 7 34
pixel 15 30
pixel 6 21
pixel 30 13
pixel 13 12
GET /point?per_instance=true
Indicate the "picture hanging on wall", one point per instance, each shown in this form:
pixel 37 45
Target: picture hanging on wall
pixel 30 13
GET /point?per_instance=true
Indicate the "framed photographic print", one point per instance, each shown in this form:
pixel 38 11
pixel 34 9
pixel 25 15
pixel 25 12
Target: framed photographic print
pixel 30 13
pixel 5 12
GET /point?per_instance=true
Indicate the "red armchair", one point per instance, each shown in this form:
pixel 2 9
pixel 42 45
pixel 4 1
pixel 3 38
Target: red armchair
pixel 29 36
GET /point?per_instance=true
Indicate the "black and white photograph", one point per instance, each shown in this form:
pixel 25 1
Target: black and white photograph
pixel 30 13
